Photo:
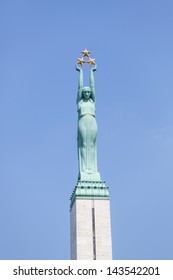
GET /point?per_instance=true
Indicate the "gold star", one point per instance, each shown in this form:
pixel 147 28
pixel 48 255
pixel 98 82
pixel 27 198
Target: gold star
pixel 91 61
pixel 86 52
pixel 80 61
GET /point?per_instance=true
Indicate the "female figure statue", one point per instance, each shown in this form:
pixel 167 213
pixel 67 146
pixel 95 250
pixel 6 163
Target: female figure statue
pixel 87 129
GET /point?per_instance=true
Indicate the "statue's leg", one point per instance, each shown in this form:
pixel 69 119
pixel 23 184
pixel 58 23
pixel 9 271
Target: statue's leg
pixel 91 147
pixel 82 142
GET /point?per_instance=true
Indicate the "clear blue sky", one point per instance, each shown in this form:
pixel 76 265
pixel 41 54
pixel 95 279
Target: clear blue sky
pixel 132 42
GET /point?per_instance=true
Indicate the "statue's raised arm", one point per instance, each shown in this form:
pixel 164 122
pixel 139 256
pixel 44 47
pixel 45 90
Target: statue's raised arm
pixel 80 84
pixel 92 84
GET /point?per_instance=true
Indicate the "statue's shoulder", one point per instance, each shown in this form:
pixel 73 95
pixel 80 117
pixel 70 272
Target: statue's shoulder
pixel 80 102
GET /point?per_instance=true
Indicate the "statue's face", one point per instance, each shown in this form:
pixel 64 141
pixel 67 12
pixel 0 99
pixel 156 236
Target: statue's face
pixel 86 93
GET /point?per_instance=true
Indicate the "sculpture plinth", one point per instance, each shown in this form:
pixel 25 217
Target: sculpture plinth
pixel 89 190
pixel 90 207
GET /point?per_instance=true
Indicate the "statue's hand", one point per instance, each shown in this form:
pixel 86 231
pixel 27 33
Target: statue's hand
pixel 94 68
pixel 78 68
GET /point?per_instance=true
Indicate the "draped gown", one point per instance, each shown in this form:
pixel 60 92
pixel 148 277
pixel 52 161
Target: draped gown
pixel 87 134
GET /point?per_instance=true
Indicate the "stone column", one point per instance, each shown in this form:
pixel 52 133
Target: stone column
pixel 90 226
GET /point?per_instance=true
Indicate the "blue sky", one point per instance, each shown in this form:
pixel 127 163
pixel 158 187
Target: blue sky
pixel 132 42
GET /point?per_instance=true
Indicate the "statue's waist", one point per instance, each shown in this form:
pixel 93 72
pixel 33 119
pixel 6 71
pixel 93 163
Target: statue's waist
pixel 87 115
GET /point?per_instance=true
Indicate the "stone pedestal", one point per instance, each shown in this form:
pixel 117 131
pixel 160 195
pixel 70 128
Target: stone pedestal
pixel 90 222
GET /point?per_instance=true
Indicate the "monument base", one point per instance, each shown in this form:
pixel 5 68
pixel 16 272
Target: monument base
pixel 90 222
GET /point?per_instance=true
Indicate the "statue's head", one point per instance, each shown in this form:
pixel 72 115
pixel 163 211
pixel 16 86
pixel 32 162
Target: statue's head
pixel 86 93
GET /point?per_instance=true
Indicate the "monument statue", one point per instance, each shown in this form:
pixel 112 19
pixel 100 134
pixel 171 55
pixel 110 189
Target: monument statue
pixel 87 125
pixel 90 227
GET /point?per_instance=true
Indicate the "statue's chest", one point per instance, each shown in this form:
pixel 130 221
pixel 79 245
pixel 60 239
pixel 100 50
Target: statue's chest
pixel 87 107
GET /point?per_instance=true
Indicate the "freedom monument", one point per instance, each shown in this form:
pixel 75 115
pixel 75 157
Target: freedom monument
pixel 90 226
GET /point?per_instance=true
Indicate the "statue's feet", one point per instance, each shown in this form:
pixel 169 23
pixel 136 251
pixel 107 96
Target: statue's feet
pixel 88 171
pixel 88 176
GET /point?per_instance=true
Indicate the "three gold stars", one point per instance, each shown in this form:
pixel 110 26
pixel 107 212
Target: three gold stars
pixel 90 61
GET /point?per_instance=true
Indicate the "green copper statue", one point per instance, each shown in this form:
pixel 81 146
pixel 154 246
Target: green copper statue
pixel 87 125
